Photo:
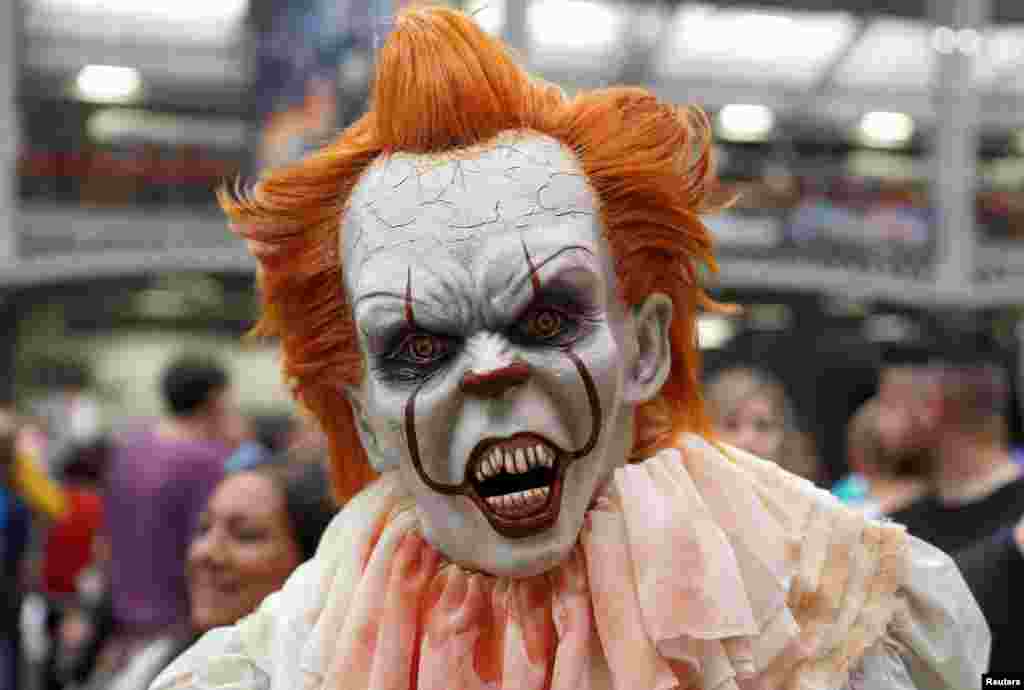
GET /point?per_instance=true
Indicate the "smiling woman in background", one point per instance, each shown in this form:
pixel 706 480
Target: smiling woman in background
pixel 259 525
pixel 750 410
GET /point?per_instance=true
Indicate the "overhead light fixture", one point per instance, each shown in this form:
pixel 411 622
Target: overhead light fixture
pixel 744 122
pixel 714 331
pixel 885 130
pixel 597 26
pixel 489 14
pixel 946 40
pixel 115 125
pixel 108 84
pixel 968 41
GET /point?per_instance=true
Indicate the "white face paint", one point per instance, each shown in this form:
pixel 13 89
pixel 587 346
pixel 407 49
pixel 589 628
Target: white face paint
pixel 502 368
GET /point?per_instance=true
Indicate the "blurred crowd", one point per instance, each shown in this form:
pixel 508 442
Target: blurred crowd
pixel 930 450
pixel 120 548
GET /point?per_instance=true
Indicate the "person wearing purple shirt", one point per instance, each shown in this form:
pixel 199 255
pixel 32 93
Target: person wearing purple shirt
pixel 157 484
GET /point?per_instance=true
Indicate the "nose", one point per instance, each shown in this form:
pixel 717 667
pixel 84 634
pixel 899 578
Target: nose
pixel 495 382
pixel 207 549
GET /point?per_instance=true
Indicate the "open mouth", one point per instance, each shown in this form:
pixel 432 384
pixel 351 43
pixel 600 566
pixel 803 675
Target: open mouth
pixel 517 483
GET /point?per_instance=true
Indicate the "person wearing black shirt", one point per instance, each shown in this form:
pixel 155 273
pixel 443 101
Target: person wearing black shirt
pixel 958 421
pixel 991 567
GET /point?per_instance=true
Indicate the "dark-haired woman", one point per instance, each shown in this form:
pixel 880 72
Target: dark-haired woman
pixel 258 526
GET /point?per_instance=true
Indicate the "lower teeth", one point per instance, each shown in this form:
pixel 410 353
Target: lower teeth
pixel 520 500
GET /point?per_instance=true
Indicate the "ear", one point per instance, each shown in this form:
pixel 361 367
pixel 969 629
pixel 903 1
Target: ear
pixel 381 460
pixel 652 359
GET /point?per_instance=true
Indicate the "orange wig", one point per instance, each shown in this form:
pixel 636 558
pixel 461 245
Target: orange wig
pixel 442 84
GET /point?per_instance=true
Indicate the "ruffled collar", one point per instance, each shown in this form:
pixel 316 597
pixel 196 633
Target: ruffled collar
pixel 688 574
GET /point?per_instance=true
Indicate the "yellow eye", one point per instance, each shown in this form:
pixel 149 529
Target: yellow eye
pixel 544 324
pixel 423 348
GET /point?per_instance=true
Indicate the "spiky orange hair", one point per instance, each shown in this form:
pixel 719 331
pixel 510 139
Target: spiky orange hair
pixel 442 83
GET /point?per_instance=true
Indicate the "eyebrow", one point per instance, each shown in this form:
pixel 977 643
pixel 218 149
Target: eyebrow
pixel 524 286
pixel 381 322
pixel 527 284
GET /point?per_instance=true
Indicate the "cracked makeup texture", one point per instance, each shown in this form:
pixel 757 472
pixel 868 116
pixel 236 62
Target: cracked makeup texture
pixel 483 292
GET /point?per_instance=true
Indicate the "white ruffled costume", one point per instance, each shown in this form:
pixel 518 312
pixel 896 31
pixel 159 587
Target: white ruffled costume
pixel 693 571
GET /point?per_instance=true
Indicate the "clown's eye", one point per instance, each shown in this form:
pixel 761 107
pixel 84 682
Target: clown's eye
pixel 558 318
pixel 414 357
pixel 544 324
pixel 422 348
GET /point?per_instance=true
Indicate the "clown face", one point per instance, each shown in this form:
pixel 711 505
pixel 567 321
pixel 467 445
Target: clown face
pixel 502 366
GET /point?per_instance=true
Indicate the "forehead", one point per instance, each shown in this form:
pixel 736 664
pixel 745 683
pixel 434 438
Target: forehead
pixel 247 493
pixel 901 380
pixel 460 207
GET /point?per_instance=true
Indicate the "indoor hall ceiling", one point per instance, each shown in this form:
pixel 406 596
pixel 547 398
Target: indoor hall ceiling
pixel 1002 11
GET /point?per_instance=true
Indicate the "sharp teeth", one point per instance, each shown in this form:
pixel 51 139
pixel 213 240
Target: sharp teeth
pixel 521 465
pixel 514 461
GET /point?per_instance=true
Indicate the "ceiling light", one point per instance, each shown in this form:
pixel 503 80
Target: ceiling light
pixel 703 39
pixel 108 84
pixel 129 125
pixel 596 25
pixel 885 130
pixel 944 40
pixel 489 14
pixel 745 123
pixel 968 41
pixel 714 331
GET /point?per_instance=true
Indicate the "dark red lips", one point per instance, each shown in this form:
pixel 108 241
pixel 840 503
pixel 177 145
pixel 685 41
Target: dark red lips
pixel 517 483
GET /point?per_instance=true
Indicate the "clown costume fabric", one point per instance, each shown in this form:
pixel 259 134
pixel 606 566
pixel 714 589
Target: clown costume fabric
pixel 486 293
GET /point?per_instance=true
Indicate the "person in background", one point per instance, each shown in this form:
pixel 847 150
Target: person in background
pixel 156 485
pixel 71 413
pixel 71 542
pixel 249 451
pixel 750 410
pixel 952 419
pixel 994 569
pixel 874 484
pixel 30 502
pixel 14 539
pixel 257 528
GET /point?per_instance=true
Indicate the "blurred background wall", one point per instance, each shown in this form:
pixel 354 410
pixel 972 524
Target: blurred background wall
pixel 877 149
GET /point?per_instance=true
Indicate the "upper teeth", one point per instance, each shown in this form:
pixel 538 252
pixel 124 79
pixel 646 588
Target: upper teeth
pixel 514 461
